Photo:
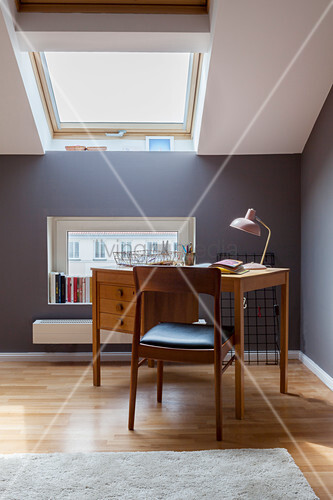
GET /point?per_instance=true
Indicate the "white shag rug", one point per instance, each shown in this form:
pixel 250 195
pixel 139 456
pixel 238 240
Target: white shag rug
pixel 212 474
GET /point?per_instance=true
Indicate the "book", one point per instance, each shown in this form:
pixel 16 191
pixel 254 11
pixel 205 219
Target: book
pixel 63 288
pixel 224 270
pixel 78 288
pixel 52 290
pixel 75 289
pixel 231 264
pixel 239 270
pixel 87 289
pixel 83 290
pixel 68 289
pixel 58 288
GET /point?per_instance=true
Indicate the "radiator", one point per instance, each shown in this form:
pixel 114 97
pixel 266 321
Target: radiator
pixel 72 331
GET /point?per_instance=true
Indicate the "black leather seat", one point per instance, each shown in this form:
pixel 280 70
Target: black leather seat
pixel 184 336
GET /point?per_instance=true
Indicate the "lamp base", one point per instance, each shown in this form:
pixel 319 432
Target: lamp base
pixel 254 266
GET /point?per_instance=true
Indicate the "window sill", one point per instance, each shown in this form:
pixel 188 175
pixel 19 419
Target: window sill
pixel 69 303
pixel 125 145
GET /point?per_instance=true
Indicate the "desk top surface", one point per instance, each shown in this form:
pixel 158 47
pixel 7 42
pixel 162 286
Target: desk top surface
pixel 252 280
pixel 251 273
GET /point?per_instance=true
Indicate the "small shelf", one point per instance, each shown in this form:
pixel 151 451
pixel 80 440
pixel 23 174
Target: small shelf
pixel 69 303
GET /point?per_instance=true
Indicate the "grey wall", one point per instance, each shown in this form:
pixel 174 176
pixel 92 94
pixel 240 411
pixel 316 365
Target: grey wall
pixel 164 184
pixel 317 241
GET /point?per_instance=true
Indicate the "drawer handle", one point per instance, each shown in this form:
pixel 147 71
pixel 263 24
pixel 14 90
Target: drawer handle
pixel 120 292
pixel 119 307
pixel 121 322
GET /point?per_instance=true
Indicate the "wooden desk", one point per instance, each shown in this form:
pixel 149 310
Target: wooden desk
pixel 114 306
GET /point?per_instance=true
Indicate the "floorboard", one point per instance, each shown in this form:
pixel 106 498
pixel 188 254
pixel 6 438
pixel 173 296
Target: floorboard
pixel 49 407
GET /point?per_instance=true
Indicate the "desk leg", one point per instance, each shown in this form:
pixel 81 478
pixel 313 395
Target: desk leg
pixel 239 350
pixel 284 335
pixel 96 356
pixel 96 337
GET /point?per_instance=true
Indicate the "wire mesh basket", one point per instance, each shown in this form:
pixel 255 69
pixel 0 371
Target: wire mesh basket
pixel 144 257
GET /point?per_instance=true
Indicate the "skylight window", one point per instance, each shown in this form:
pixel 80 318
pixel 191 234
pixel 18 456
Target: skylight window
pixel 87 92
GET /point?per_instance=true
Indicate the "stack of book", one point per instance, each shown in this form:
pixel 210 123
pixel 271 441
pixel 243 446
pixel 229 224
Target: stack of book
pixel 69 289
pixel 230 266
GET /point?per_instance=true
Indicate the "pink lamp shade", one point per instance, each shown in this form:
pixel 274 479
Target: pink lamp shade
pixel 247 223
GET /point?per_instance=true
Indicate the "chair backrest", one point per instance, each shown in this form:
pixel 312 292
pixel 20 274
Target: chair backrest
pixel 190 280
pixel 194 280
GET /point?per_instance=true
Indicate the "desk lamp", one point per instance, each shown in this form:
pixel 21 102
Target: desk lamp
pixel 249 225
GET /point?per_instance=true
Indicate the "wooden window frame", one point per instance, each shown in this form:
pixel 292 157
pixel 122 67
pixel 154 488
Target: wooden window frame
pixel 189 7
pixel 98 130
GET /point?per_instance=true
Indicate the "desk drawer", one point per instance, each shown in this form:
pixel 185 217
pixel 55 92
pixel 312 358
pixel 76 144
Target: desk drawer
pixel 116 322
pixel 114 292
pixel 118 307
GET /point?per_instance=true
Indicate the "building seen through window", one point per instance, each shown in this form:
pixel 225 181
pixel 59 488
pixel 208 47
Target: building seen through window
pixel 126 246
pixel 73 250
pixel 99 249
pixel 87 249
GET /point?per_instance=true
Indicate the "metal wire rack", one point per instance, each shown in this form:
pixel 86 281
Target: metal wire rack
pixel 261 316
pixel 144 257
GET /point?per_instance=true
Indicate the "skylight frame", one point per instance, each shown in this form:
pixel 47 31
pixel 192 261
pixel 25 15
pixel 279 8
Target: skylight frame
pixel 190 7
pixel 60 130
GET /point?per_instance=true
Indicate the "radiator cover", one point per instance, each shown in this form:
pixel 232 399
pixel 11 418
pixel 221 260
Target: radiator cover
pixel 72 331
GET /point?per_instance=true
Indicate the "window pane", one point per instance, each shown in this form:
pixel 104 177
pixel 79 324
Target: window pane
pixel 73 249
pixel 92 245
pixel 77 250
pixel 99 249
pixel 126 246
pixel 119 87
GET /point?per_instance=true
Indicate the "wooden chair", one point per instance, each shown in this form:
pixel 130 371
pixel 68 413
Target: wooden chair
pixel 193 343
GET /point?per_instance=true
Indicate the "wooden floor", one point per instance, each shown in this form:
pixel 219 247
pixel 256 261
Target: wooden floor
pixel 48 407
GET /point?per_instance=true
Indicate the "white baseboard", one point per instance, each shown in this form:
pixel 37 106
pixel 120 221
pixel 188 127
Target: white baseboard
pixel 55 357
pixel 293 354
pixel 59 357
pixel 314 368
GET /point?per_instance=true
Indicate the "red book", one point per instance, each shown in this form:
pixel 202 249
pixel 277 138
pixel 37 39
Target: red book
pixel 79 285
pixel 75 288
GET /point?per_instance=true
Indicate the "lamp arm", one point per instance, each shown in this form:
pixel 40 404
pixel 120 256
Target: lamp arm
pixel 268 238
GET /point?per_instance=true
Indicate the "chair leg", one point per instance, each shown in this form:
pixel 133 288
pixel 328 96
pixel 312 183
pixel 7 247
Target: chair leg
pixel 218 399
pixel 133 386
pixel 159 381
